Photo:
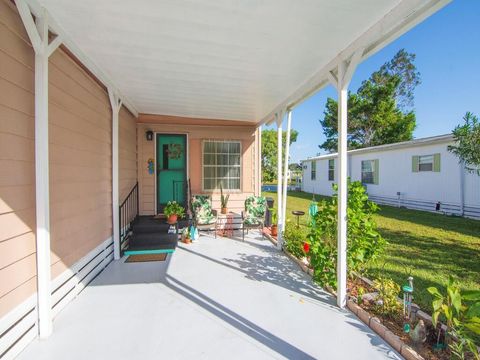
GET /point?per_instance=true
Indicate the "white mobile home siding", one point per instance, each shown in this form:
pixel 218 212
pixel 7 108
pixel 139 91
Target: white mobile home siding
pixel 418 190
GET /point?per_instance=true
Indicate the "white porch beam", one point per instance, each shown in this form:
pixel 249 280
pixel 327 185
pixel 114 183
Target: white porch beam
pixel 341 81
pixel 116 104
pixel 285 176
pixel 38 31
pixel 279 118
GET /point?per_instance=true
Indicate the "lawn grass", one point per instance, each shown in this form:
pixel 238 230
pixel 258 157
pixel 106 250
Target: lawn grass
pixel 430 247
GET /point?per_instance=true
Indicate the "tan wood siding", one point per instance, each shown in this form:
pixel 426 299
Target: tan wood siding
pixel 197 133
pixel 127 153
pixel 17 192
pixel 80 162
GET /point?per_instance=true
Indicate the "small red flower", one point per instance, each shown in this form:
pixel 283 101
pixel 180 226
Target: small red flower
pixel 306 247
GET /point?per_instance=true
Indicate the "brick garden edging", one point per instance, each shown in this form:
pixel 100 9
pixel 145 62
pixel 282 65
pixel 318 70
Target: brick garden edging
pixel 371 321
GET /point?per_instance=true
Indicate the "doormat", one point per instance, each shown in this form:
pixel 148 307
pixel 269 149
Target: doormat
pixel 146 257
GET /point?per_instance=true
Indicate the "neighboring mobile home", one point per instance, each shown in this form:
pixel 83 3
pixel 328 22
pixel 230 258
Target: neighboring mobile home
pixel 419 174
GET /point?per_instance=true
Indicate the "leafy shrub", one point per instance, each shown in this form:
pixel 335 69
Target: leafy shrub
pixel 294 237
pixel 364 242
pixel 388 291
pixel 461 314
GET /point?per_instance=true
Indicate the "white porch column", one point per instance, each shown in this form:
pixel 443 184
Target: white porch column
pixel 341 81
pixel 285 177
pixel 38 33
pixel 279 181
pixel 116 104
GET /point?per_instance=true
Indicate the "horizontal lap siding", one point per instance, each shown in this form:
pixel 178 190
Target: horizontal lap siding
pixel 80 163
pixel 17 156
pixel 196 134
pixel 127 153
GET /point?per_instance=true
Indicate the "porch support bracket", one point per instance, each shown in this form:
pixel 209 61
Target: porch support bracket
pixel 38 33
pixel 116 104
pixel 341 80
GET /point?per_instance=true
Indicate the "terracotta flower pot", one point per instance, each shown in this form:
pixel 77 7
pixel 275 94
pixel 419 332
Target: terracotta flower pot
pixel 224 210
pixel 274 230
pixel 172 219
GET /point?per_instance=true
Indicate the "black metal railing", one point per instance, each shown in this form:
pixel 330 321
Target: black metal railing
pixel 128 212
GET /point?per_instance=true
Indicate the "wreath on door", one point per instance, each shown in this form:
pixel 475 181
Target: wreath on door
pixel 174 151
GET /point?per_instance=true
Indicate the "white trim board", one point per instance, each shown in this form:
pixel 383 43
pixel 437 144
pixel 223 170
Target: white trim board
pixel 19 327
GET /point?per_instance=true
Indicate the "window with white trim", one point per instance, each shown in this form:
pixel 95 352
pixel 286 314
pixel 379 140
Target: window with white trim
pixel 370 172
pixel 221 164
pixel 313 174
pixel 331 170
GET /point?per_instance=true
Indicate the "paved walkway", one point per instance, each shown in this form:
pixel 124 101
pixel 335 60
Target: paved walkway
pixel 215 299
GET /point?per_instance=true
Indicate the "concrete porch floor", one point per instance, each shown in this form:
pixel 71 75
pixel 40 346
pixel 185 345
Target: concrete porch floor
pixel 215 299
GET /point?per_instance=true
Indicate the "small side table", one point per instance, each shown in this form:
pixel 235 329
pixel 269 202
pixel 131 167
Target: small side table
pixel 298 213
pixel 225 224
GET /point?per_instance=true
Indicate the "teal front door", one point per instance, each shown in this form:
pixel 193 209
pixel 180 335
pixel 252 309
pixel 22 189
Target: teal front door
pixel 171 169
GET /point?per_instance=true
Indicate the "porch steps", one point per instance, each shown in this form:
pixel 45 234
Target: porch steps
pixel 150 236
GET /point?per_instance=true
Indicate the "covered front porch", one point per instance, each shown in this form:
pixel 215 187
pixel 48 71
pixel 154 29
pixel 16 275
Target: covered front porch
pixel 214 299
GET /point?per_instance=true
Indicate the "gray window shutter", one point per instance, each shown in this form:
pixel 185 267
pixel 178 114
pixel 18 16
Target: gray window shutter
pixel 375 173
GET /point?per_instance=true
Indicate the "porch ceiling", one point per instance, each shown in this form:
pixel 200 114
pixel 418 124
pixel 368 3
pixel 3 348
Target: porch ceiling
pixel 235 60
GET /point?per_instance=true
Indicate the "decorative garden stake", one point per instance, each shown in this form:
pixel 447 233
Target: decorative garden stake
pixel 312 210
pixel 407 303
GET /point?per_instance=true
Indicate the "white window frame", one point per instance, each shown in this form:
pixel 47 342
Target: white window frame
pixel 332 178
pixel 372 162
pixel 313 170
pixel 240 166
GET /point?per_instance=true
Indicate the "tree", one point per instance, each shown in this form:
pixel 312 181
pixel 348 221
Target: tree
pixel 467 138
pixel 269 152
pixel 379 113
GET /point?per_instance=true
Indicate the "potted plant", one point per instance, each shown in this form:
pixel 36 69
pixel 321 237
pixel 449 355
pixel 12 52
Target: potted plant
pixel 274 227
pixel 173 211
pixel 223 201
pixel 186 236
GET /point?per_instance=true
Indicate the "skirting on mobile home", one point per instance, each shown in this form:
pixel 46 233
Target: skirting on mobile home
pixel 419 174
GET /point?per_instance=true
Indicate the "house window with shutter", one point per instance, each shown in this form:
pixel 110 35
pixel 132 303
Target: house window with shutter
pixel 423 163
pixel 331 170
pixel 370 169
pixel 314 170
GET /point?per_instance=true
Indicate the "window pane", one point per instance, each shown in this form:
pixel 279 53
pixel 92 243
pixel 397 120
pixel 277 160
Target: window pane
pixel 222 159
pixel 234 147
pixel 209 147
pixel 367 165
pixel 209 172
pixel 222 171
pixel 209 184
pixel 367 177
pixel 425 159
pixel 222 147
pixel 209 159
pixel 234 159
pixel 234 184
pixel 234 172
pixel 425 167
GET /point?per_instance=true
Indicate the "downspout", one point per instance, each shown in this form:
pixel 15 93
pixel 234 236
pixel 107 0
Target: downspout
pixel 461 166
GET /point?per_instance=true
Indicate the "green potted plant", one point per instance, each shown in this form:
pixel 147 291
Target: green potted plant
pixel 223 201
pixel 173 211
pixel 274 227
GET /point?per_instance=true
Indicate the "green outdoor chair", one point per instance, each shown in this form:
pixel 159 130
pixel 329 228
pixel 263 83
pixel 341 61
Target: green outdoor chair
pixel 254 215
pixel 204 217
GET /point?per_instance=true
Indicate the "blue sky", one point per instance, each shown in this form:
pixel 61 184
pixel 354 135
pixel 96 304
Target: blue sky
pixel 447 46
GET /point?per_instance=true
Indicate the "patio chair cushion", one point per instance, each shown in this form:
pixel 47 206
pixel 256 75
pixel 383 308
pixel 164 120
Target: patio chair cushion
pixel 202 209
pixel 255 208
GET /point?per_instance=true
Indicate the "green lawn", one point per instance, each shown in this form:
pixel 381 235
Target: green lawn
pixel 428 246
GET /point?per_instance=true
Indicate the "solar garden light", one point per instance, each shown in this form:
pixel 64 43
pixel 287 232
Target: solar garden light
pixel 407 303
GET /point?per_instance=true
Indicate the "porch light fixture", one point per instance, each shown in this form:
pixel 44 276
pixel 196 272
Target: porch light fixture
pixel 149 135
